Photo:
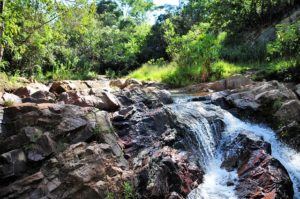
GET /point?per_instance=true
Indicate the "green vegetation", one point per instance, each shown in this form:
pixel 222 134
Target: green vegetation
pixel 196 41
pixel 110 195
pixel 8 103
pixel 48 39
pixel 129 192
pixel 154 72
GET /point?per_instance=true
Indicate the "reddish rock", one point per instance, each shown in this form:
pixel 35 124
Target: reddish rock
pixel 260 175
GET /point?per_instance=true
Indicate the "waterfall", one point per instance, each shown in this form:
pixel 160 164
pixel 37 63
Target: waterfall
pixel 202 136
pixel 216 180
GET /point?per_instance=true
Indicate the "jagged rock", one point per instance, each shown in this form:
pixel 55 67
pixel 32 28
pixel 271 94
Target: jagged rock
pixel 239 149
pixel 100 99
pixel 260 175
pixel 110 102
pixel 44 147
pixel 168 173
pixel 12 164
pixel 43 129
pixel 237 82
pixel 260 95
pixel 17 189
pixel 81 171
pixel 268 102
pixel 59 87
pixel 30 89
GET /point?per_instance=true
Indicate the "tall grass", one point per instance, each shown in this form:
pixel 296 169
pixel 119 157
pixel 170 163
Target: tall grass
pixel 154 72
pixel 178 76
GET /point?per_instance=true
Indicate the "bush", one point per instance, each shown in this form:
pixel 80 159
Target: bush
pixel 287 43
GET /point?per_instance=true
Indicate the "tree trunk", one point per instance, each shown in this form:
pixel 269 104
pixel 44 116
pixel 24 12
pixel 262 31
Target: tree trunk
pixel 2 2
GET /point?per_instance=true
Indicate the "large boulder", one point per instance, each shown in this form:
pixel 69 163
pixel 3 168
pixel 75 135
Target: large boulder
pixel 260 175
pixel 260 96
pixel 289 111
pixel 31 88
pixel 10 99
pixel 268 102
pixel 59 87
pixel 96 98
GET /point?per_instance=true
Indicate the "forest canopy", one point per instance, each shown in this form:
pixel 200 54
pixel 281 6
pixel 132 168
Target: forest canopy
pixel 76 39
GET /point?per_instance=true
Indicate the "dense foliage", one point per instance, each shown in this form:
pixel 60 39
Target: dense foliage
pixel 203 40
pixel 69 39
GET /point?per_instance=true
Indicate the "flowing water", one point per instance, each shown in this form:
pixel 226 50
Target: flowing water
pixel 215 185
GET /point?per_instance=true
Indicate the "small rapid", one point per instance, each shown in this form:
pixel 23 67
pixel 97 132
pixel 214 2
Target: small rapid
pixel 218 183
pixel 288 157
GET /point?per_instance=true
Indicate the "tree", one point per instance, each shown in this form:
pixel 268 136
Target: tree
pixel 2 4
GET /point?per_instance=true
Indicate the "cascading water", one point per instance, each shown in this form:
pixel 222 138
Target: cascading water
pixel 288 157
pixel 198 125
pixel 216 180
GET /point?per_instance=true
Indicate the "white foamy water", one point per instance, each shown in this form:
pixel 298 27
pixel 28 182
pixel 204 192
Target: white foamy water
pixel 215 183
pixel 216 179
pixel 288 157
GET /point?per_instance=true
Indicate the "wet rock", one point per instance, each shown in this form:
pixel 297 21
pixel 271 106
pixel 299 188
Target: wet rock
pixel 12 164
pixel 239 149
pixel 266 102
pixel 169 173
pixel 260 175
pixel 263 177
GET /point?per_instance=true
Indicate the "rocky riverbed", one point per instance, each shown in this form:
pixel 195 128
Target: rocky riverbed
pixel 129 139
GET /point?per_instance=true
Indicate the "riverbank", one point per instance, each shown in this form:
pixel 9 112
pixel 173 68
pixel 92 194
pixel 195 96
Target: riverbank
pixel 124 138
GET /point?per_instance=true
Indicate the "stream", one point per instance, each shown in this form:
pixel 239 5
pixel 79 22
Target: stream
pixel 215 185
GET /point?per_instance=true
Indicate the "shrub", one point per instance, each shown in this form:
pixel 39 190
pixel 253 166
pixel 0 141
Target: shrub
pixel 129 192
pixel 287 43
pixel 196 51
